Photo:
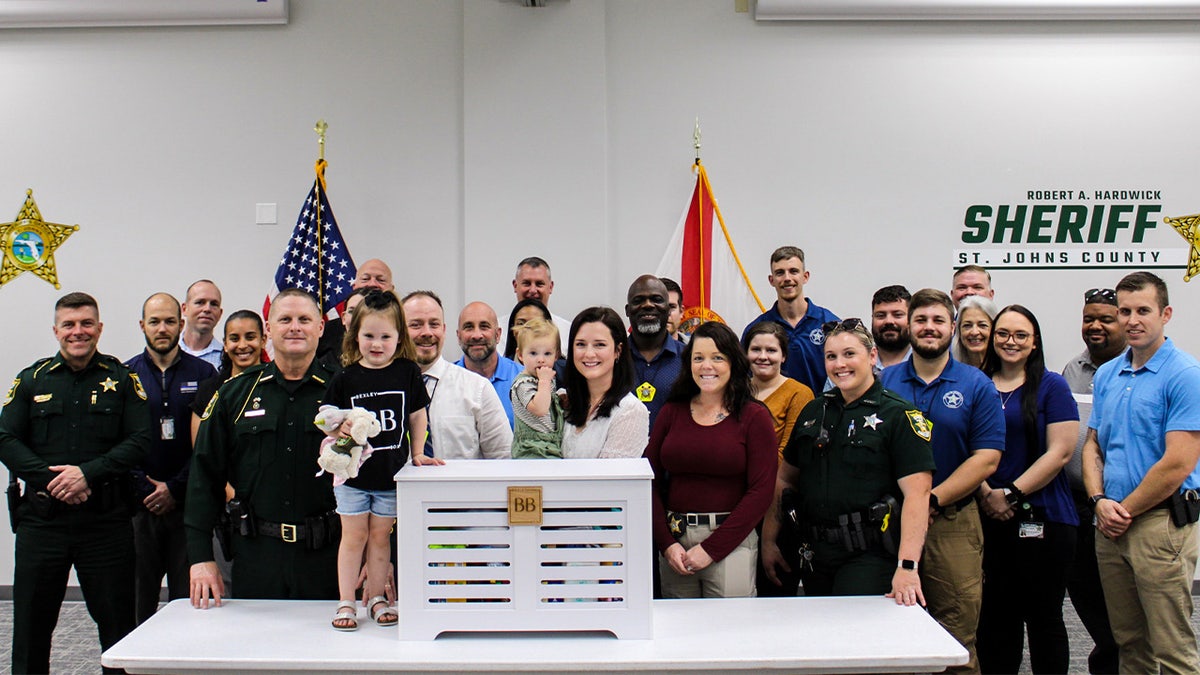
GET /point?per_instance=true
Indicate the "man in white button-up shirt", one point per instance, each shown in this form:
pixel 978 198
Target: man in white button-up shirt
pixel 466 418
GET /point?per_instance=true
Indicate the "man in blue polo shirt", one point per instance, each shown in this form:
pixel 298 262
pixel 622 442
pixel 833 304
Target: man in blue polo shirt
pixel 800 316
pixel 478 336
pixel 170 378
pixel 1139 466
pixel 656 355
pixel 968 437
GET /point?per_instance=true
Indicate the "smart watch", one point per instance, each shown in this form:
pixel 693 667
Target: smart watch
pixel 1095 499
pixel 910 565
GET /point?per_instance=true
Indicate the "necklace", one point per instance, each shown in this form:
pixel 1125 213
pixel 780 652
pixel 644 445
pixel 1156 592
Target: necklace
pixel 1004 399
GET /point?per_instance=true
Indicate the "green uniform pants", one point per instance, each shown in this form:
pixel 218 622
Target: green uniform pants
pixel 272 569
pixel 101 550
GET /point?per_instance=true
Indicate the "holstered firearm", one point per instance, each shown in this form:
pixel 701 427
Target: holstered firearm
pixel 14 501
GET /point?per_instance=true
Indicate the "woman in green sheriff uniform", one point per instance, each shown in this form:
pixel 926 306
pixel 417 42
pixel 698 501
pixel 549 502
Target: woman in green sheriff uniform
pixel 856 455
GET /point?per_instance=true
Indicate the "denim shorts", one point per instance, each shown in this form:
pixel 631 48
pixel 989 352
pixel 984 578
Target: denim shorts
pixel 355 502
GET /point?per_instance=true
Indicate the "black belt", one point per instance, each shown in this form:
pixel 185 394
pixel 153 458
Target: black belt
pixel 712 520
pixel 285 531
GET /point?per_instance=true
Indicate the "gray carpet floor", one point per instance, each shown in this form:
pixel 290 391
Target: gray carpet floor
pixel 77 650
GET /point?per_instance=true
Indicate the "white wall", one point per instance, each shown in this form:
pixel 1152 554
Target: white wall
pixel 467 135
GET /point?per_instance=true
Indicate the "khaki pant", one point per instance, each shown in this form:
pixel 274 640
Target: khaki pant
pixel 952 577
pixel 1147 578
pixel 732 577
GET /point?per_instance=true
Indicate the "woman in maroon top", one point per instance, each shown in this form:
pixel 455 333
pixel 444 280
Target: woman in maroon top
pixel 714 454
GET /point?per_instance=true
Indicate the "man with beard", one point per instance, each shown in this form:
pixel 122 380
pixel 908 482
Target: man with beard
pixel 170 378
pixel 466 419
pixel 967 437
pixel 656 355
pixel 1104 341
pixel 889 325
pixel 478 334
pixel 201 313
pixel 800 316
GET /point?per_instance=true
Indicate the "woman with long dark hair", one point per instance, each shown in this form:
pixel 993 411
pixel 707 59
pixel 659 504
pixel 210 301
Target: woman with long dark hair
pixel 603 417
pixel 523 312
pixel 243 348
pixel 714 455
pixel 1029 528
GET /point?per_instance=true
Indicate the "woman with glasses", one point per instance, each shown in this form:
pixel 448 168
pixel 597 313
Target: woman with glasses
pixel 714 453
pixel 1030 525
pixel 972 327
pixel 855 481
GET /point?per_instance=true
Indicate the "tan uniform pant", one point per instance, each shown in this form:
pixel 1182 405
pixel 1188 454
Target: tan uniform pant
pixel 1147 578
pixel 952 576
pixel 732 577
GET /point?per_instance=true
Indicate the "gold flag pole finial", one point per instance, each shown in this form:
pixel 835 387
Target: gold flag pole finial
pixel 696 139
pixel 321 129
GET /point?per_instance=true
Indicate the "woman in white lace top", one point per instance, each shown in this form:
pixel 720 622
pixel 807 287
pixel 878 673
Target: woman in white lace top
pixel 603 417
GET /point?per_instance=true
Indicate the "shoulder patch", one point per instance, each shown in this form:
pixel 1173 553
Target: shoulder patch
pixel 212 403
pixel 12 391
pixel 137 386
pixel 920 426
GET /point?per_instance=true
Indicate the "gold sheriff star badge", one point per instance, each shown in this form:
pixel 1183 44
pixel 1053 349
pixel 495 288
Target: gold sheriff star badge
pixel 1189 228
pixel 29 244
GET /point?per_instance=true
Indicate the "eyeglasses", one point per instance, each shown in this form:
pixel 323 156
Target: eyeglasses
pixel 1019 337
pixel 1103 296
pixel 850 324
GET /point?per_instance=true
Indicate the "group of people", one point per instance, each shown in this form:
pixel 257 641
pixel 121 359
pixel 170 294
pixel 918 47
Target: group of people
pixel 852 456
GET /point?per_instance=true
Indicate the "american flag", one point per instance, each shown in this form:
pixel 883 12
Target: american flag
pixel 316 238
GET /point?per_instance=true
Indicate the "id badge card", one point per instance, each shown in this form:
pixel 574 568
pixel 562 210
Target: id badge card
pixel 1031 530
pixel 166 427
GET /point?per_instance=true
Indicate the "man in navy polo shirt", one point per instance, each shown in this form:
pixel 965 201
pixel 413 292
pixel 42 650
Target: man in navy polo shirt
pixel 656 355
pixel 170 378
pixel 801 317
pixel 1139 468
pixel 968 437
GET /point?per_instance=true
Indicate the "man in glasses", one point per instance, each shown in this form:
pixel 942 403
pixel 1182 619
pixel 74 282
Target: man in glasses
pixel 1139 466
pixel 967 437
pixel 1104 340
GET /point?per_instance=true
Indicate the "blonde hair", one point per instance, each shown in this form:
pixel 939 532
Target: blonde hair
pixel 385 304
pixel 535 330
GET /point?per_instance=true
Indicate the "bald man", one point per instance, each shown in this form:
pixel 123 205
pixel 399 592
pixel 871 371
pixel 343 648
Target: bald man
pixel 478 335
pixel 374 273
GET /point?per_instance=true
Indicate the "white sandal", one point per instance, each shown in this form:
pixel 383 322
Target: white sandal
pixel 387 609
pixel 346 611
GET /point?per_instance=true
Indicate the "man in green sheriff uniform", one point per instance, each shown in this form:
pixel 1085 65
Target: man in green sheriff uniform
pixel 73 426
pixel 851 466
pixel 258 434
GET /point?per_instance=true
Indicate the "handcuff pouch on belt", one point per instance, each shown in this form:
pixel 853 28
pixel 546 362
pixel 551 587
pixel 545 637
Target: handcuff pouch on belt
pixel 315 533
pixel 1185 507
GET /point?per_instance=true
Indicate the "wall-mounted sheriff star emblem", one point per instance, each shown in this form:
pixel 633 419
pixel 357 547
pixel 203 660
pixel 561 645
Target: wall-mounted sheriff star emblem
pixel 29 244
pixel 1188 227
pixel 109 384
pixel 872 421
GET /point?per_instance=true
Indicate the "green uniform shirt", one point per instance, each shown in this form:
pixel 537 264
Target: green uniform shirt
pixel 94 418
pixel 258 434
pixel 872 443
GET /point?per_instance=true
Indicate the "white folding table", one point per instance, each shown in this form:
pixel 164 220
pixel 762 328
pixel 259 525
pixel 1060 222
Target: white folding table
pixel 795 635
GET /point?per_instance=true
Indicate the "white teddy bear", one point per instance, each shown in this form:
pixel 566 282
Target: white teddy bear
pixel 343 457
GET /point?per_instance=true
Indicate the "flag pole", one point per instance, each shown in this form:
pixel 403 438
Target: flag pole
pixel 321 127
pixel 701 180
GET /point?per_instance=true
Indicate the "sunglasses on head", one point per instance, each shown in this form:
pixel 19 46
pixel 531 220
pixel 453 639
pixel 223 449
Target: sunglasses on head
pixel 1103 296
pixel 850 324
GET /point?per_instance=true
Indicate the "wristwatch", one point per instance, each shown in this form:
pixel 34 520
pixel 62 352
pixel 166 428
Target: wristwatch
pixel 1095 499
pixel 910 565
